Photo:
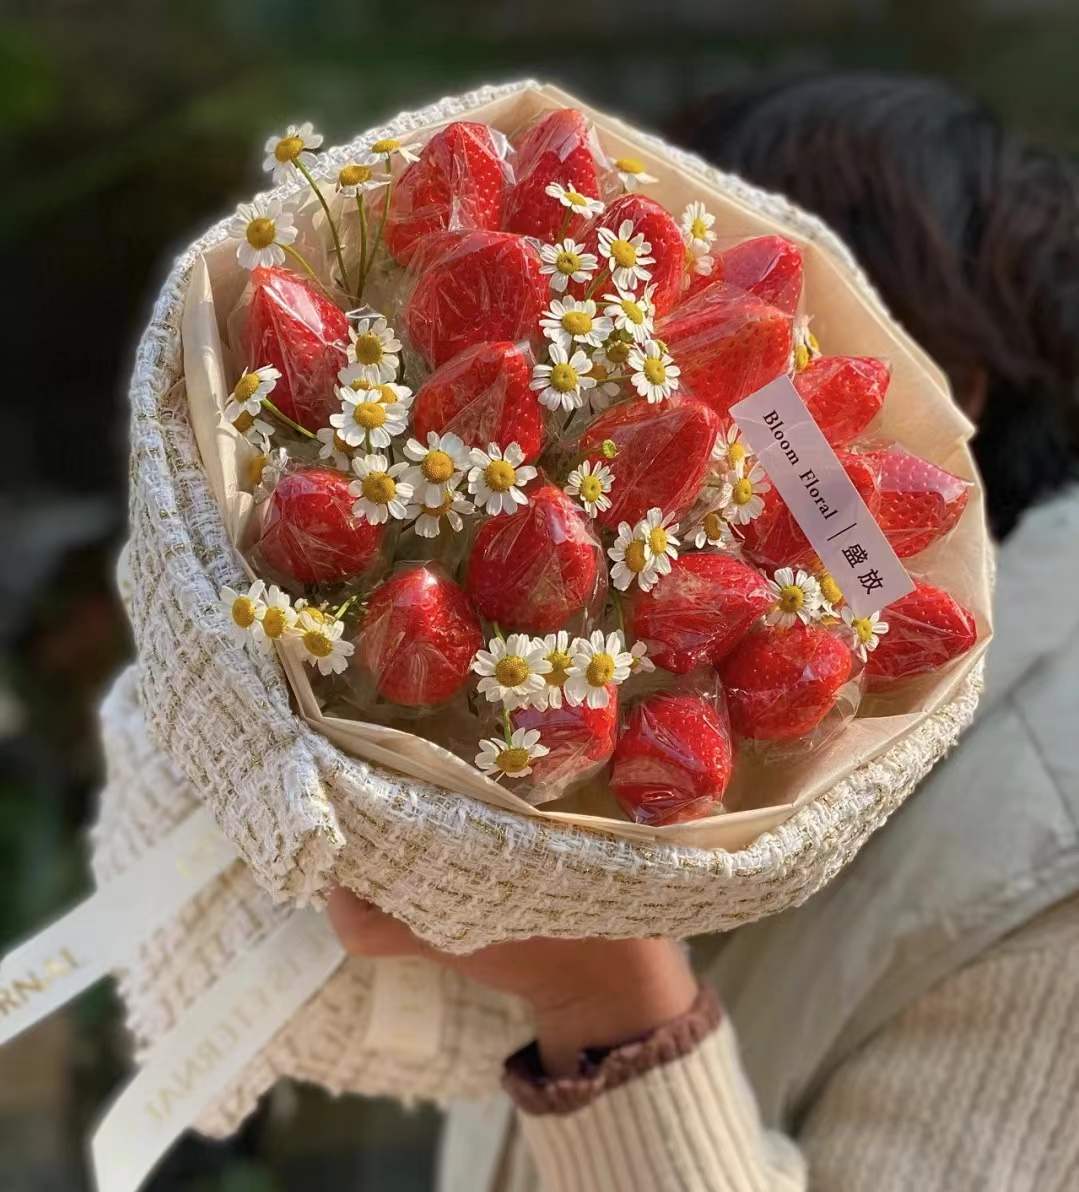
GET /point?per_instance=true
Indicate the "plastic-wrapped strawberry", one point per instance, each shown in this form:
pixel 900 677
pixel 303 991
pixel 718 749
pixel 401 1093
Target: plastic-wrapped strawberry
pixel 699 611
pixel 843 393
pixel 781 683
pixel 580 739
pixel 535 569
pixel 559 148
pixel 294 327
pixel 662 455
pixel 919 502
pixel 673 760
pixel 626 219
pixel 309 532
pixel 458 183
pixel 728 343
pixel 483 395
pixel 418 637
pixel 769 267
pixel 927 628
pixel 474 287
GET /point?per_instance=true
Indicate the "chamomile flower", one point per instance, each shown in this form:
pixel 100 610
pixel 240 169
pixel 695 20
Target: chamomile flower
pixel 615 352
pixel 574 200
pixel 660 533
pixel 731 453
pixel 797 598
pixel 603 392
pixel 497 478
pixel 652 371
pixel 714 529
pixel 334 449
pixel 319 637
pixel 699 260
pixel 380 493
pixel 278 618
pixel 632 559
pixel 591 483
pixel 561 383
pixel 569 321
pixel 263 229
pixel 598 661
pixel 566 262
pixel 865 632
pixel 243 610
pixel 450 509
pixel 374 349
pixel 746 501
pixel 285 153
pixel 257 431
pixel 626 253
pixel 632 174
pixel 365 420
pixel 632 313
pixel 266 470
pixel 641 664
pixel 806 349
pixel 248 392
pixel 697 223
pixel 387 392
pixel 438 464
pixel 512 759
pixel 559 656
pixel 358 177
pixel 391 146
pixel 512 670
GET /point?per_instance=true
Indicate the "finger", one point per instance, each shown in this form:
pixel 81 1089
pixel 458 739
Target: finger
pixel 364 930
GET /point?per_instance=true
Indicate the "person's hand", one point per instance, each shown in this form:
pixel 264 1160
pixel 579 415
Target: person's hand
pixel 585 993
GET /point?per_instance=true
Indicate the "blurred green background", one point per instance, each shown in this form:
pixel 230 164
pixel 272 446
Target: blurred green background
pixel 132 124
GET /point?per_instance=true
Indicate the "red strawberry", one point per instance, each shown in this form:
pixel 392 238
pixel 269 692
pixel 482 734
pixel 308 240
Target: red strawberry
pixel 774 539
pixel 475 287
pixel 483 395
pixel 304 336
pixel 418 637
pixel 919 502
pixel 673 760
pixel 699 611
pixel 664 453
pixel 843 393
pixel 781 683
pixel 927 628
pixel 309 532
pixel 769 267
pixel 534 569
pixel 579 739
pixel 459 183
pixel 728 344
pixel 659 229
pixel 557 149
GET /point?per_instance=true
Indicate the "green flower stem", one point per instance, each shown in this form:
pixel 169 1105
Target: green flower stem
pixel 361 206
pixel 616 600
pixel 382 222
pixel 507 728
pixel 498 631
pixel 346 606
pixel 565 225
pixel 597 281
pixel 300 430
pixel 333 227
pixel 306 266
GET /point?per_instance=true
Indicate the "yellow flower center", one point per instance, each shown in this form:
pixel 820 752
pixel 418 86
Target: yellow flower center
pixel 576 198
pixel 633 311
pixel 577 322
pixel 368 348
pixel 567 263
pixel 560 663
pixel 386 145
pixel 600 670
pixel 354 175
pixel 274 622
pixel 340 444
pixel 608 448
pixel 500 475
pixel 742 491
pixel 440 510
pixel 591 488
pixel 623 253
pixel 655 371
pixel 261 232
pixel 863 628
pixel 791 598
pixel 830 589
pixel 245 422
pixel 437 466
pixel 629 165
pixel 243 611
pixel 288 148
pixel 698 229
pixel 736 453
pixel 599 373
pixel 379 488
pixel 256 468
pixel 713 526
pixel 617 352
pixel 564 378
pixel 316 642
pixel 369 414
pixel 512 670
pixel 512 760
pixel 636 558
pixel 657 540
pixel 246 387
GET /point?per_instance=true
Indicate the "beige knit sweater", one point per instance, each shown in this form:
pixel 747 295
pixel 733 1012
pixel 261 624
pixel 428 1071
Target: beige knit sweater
pixel 976 1086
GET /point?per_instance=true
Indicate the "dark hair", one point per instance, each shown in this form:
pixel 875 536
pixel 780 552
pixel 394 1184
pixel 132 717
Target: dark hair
pixel 970 235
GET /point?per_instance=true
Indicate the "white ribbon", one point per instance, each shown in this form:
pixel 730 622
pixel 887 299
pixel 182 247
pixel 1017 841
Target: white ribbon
pixel 189 1068
pixel 58 963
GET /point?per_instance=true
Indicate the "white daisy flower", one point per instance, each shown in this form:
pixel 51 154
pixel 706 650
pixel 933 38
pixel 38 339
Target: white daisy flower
pixel 626 254
pixel 319 636
pixel 452 508
pixel 374 349
pixel 746 503
pixel 641 663
pixel 257 431
pixel 566 262
pixel 603 392
pixel 360 176
pixel 591 483
pixel 865 632
pixel 560 383
pixel 699 260
pixel 294 147
pixel 379 492
pixel 334 449
pixel 513 760
pixel 731 453
pixel 438 465
pixel 697 223
pixel 243 609
pixel 568 321
pixel 267 470
pixel 632 173
pixel 248 392
pixel 653 373
pixel 574 200
pixel 558 654
pixel 512 670
pixel 278 618
pixel 632 559
pixel 597 662
pixel 659 532
pixel 632 313
pixel 831 595
pixel 350 377
pixel 365 420
pixel 806 349
pixel 391 146
pixel 714 529
pixel 263 228
pixel 497 478
pixel 797 597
